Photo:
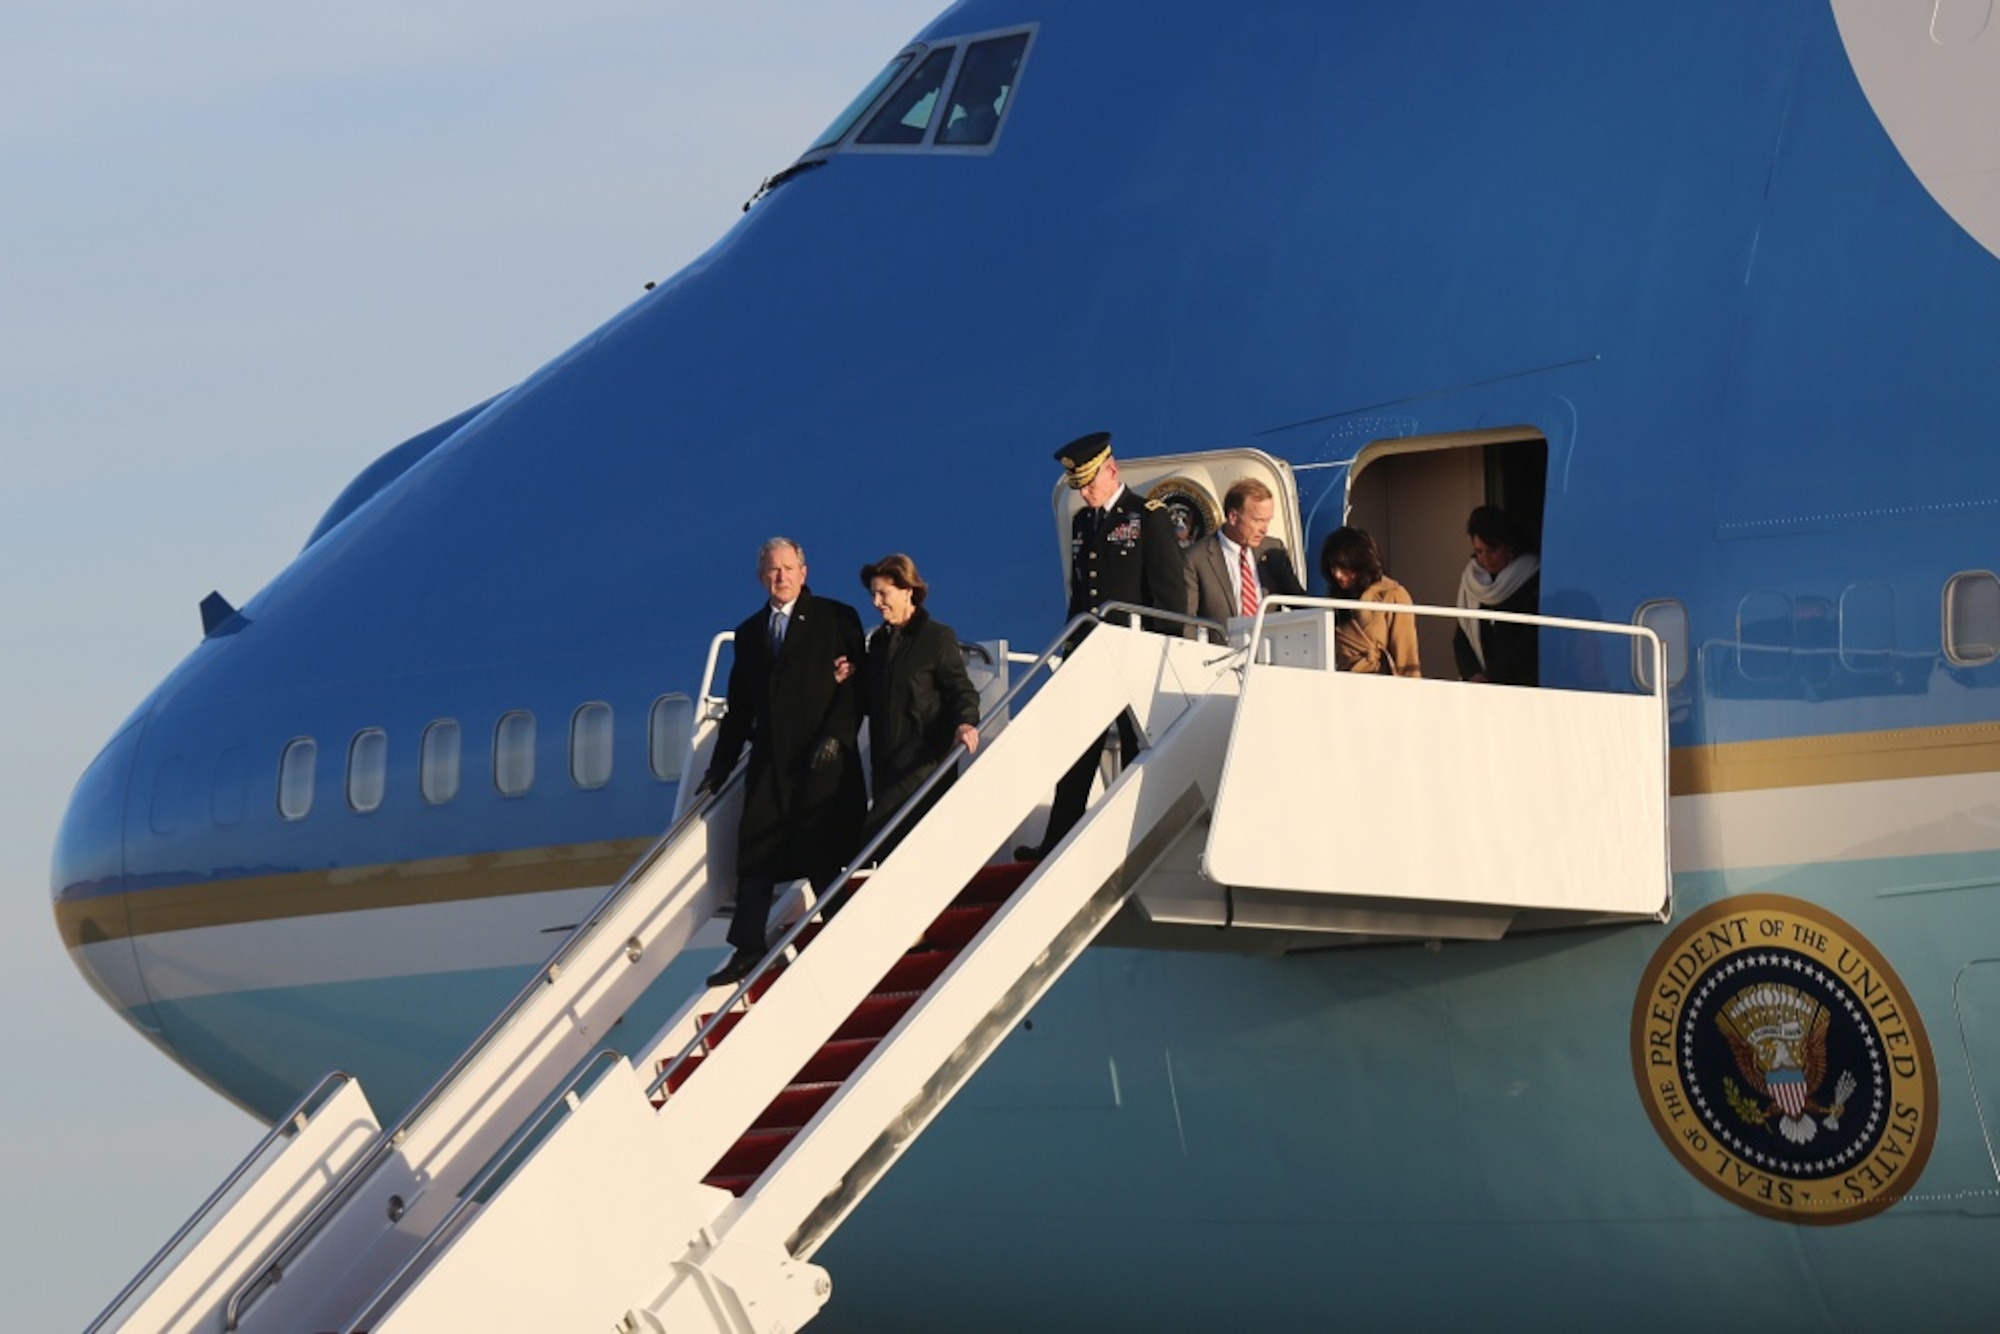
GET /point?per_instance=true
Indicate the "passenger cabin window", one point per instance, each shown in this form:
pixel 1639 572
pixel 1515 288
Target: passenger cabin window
pixel 668 728
pixel 1764 637
pixel 295 778
pixel 905 117
pixel 590 745
pixel 1972 618
pixel 844 122
pixel 1669 620
pixel 514 753
pixel 367 769
pixel 437 773
pixel 985 80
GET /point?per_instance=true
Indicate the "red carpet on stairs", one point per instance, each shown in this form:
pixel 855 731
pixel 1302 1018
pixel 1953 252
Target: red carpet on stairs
pixel 827 1069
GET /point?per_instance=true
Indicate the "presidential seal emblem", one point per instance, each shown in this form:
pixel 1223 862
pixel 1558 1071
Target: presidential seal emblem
pixel 1783 1062
pixel 1189 505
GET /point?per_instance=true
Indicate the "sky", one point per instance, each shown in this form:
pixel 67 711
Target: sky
pixel 244 249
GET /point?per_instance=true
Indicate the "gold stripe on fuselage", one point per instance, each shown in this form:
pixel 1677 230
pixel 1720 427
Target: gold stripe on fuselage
pixel 265 898
pixel 1844 757
pixel 1741 766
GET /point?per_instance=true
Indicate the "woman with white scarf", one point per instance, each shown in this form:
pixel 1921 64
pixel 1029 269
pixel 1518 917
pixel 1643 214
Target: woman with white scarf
pixel 1499 577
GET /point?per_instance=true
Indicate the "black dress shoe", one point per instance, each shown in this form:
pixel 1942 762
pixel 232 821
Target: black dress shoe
pixel 740 966
pixel 1030 853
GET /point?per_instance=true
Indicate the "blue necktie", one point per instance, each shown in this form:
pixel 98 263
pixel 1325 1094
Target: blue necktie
pixel 778 619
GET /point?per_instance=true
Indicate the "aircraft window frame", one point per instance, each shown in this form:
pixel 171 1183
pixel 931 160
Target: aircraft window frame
pixel 296 765
pixel 956 83
pixel 591 745
pixel 959 45
pixel 367 770
pixel 434 761
pixel 669 731
pixel 918 76
pixel 1961 649
pixel 514 753
pixel 1773 660
pixel 1667 618
pixel 857 110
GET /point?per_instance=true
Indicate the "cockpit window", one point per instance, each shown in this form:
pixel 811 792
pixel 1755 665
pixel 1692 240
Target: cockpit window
pixel 844 122
pixel 950 98
pixel 907 115
pixel 985 80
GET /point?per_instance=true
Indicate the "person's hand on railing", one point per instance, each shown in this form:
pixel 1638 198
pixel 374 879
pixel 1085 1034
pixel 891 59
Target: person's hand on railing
pixel 968 736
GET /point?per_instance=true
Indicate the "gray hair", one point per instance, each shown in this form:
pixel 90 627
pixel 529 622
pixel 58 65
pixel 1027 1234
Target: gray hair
pixel 772 544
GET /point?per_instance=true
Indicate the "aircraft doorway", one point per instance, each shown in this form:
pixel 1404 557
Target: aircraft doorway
pixel 1413 495
pixel 1192 487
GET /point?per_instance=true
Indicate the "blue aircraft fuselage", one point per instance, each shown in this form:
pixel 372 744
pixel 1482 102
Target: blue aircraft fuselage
pixel 1677 245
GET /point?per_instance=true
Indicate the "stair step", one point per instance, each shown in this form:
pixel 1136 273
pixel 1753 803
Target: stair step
pixel 835 1061
pixel 680 1076
pixel 729 1021
pixel 856 882
pixel 916 970
pixel 796 1105
pixel 827 1069
pixel 994 884
pixel 754 1152
pixel 877 1014
pixel 954 927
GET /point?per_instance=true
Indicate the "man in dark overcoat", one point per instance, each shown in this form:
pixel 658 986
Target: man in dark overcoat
pixel 804 797
pixel 1123 548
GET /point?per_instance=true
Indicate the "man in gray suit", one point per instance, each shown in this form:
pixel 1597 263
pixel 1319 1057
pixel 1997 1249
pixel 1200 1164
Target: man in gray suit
pixel 1231 573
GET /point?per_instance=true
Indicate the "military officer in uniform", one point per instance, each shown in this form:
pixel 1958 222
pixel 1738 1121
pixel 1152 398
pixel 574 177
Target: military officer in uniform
pixel 1123 548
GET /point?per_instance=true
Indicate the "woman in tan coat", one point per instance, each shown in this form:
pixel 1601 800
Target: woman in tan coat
pixel 1367 640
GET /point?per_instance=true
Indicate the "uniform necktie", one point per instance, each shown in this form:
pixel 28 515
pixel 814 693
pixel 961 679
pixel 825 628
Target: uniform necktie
pixel 777 632
pixel 1249 578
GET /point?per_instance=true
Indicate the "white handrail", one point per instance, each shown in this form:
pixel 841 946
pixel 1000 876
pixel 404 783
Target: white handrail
pixel 1293 601
pixel 706 697
pixel 285 1127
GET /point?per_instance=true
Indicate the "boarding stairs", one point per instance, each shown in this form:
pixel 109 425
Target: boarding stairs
pixel 556 1178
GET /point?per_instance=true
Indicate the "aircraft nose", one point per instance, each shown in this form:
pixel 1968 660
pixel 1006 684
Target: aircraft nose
pixel 87 879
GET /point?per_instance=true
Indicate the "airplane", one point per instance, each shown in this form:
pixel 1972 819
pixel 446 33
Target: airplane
pixel 1705 296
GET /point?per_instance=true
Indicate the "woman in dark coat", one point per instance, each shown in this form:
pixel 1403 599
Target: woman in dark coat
pixel 919 700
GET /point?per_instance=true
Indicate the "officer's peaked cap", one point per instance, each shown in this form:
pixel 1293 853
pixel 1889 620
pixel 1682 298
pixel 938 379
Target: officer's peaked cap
pixel 1083 456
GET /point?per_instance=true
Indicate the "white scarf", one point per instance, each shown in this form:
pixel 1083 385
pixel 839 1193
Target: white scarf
pixel 1476 588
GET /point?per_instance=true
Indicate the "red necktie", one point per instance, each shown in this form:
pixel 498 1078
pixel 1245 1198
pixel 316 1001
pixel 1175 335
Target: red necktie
pixel 1249 575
